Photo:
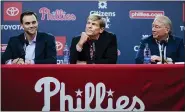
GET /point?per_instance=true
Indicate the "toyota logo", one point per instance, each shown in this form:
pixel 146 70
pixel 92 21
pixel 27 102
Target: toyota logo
pixel 12 11
pixel 59 45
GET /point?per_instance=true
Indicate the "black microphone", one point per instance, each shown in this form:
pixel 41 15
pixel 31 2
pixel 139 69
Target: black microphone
pixel 163 44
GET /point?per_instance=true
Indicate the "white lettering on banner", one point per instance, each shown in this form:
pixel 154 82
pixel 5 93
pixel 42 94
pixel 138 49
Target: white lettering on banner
pixel 145 36
pixel 58 15
pixel 106 15
pixel 136 48
pixel 144 14
pixel 91 91
pixel 112 14
pixel 11 27
pixel 182 28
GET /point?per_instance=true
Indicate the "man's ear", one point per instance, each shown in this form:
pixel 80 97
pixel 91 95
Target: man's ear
pixel 21 24
pixel 167 29
pixel 102 29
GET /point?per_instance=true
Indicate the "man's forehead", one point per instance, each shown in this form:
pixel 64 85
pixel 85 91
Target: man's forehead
pixel 29 18
pixel 158 22
pixel 94 21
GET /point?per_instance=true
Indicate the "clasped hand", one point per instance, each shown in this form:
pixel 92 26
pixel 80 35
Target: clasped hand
pixel 20 61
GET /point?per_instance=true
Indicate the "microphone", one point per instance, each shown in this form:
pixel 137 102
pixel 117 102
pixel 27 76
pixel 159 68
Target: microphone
pixel 163 44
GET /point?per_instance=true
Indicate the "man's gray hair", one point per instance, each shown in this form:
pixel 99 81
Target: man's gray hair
pixel 96 17
pixel 166 21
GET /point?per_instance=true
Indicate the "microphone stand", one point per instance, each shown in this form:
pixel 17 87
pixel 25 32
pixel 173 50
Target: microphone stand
pixel 162 52
pixel 163 44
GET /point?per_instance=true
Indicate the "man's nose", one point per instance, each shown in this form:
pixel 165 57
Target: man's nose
pixel 90 25
pixel 31 25
pixel 153 28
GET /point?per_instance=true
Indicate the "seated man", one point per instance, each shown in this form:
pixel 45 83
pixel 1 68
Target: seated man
pixel 95 45
pixel 161 32
pixel 30 47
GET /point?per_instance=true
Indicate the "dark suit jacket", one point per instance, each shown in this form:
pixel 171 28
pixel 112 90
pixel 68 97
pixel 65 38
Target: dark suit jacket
pixel 174 49
pixel 45 50
pixel 105 53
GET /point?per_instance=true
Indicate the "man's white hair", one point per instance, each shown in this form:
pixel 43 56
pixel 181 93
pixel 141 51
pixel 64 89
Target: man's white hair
pixel 166 21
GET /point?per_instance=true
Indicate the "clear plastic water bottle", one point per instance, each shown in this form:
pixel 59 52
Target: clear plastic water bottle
pixel 66 54
pixel 147 55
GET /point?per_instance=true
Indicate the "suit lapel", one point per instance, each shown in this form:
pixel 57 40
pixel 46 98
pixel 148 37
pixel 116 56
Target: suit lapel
pixel 39 45
pixel 169 46
pixel 100 44
pixel 21 46
pixel 154 48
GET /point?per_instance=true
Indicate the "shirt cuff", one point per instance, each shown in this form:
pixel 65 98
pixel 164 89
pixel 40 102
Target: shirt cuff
pixel 32 62
pixel 169 60
pixel 8 62
pixel 78 48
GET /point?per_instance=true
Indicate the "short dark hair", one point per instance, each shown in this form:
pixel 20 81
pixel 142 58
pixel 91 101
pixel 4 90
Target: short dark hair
pixel 27 13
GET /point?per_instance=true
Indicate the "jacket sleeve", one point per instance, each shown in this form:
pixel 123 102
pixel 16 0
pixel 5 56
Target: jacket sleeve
pixel 51 53
pixel 73 52
pixel 180 52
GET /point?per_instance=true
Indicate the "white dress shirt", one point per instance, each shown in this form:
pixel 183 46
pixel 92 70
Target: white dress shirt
pixel 29 51
pixel 160 51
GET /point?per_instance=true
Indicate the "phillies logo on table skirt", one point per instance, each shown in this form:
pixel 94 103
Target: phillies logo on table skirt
pixel 91 92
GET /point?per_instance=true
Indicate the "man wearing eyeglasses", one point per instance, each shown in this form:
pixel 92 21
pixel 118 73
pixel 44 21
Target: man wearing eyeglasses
pixel 162 37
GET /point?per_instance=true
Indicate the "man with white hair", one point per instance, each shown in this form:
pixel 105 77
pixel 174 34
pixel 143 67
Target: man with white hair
pixel 162 33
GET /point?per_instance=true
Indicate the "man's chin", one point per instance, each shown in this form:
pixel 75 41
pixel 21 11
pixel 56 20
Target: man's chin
pixel 155 36
pixel 31 33
pixel 89 34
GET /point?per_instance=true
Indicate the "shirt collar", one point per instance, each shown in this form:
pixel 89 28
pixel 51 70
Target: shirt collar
pixel 34 39
pixel 158 42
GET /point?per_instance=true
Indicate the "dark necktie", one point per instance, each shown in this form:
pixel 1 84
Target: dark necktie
pixel 92 50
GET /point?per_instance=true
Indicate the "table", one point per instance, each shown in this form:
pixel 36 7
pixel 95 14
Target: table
pixel 92 87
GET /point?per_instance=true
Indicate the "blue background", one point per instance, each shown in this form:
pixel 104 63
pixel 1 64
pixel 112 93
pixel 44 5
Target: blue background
pixel 128 31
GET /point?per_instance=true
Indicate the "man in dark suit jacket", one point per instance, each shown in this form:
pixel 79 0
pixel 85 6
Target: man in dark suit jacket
pixel 30 47
pixel 161 30
pixel 95 45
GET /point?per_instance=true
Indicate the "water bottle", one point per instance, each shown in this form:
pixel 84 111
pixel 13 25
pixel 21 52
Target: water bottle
pixel 66 54
pixel 147 55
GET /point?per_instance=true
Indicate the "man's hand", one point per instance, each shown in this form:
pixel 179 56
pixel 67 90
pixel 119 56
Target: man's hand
pixel 18 61
pixel 81 62
pixel 166 61
pixel 28 62
pixel 83 39
pixel 155 58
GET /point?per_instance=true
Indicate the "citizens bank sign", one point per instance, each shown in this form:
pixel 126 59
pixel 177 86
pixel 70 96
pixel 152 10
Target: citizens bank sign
pixel 92 92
